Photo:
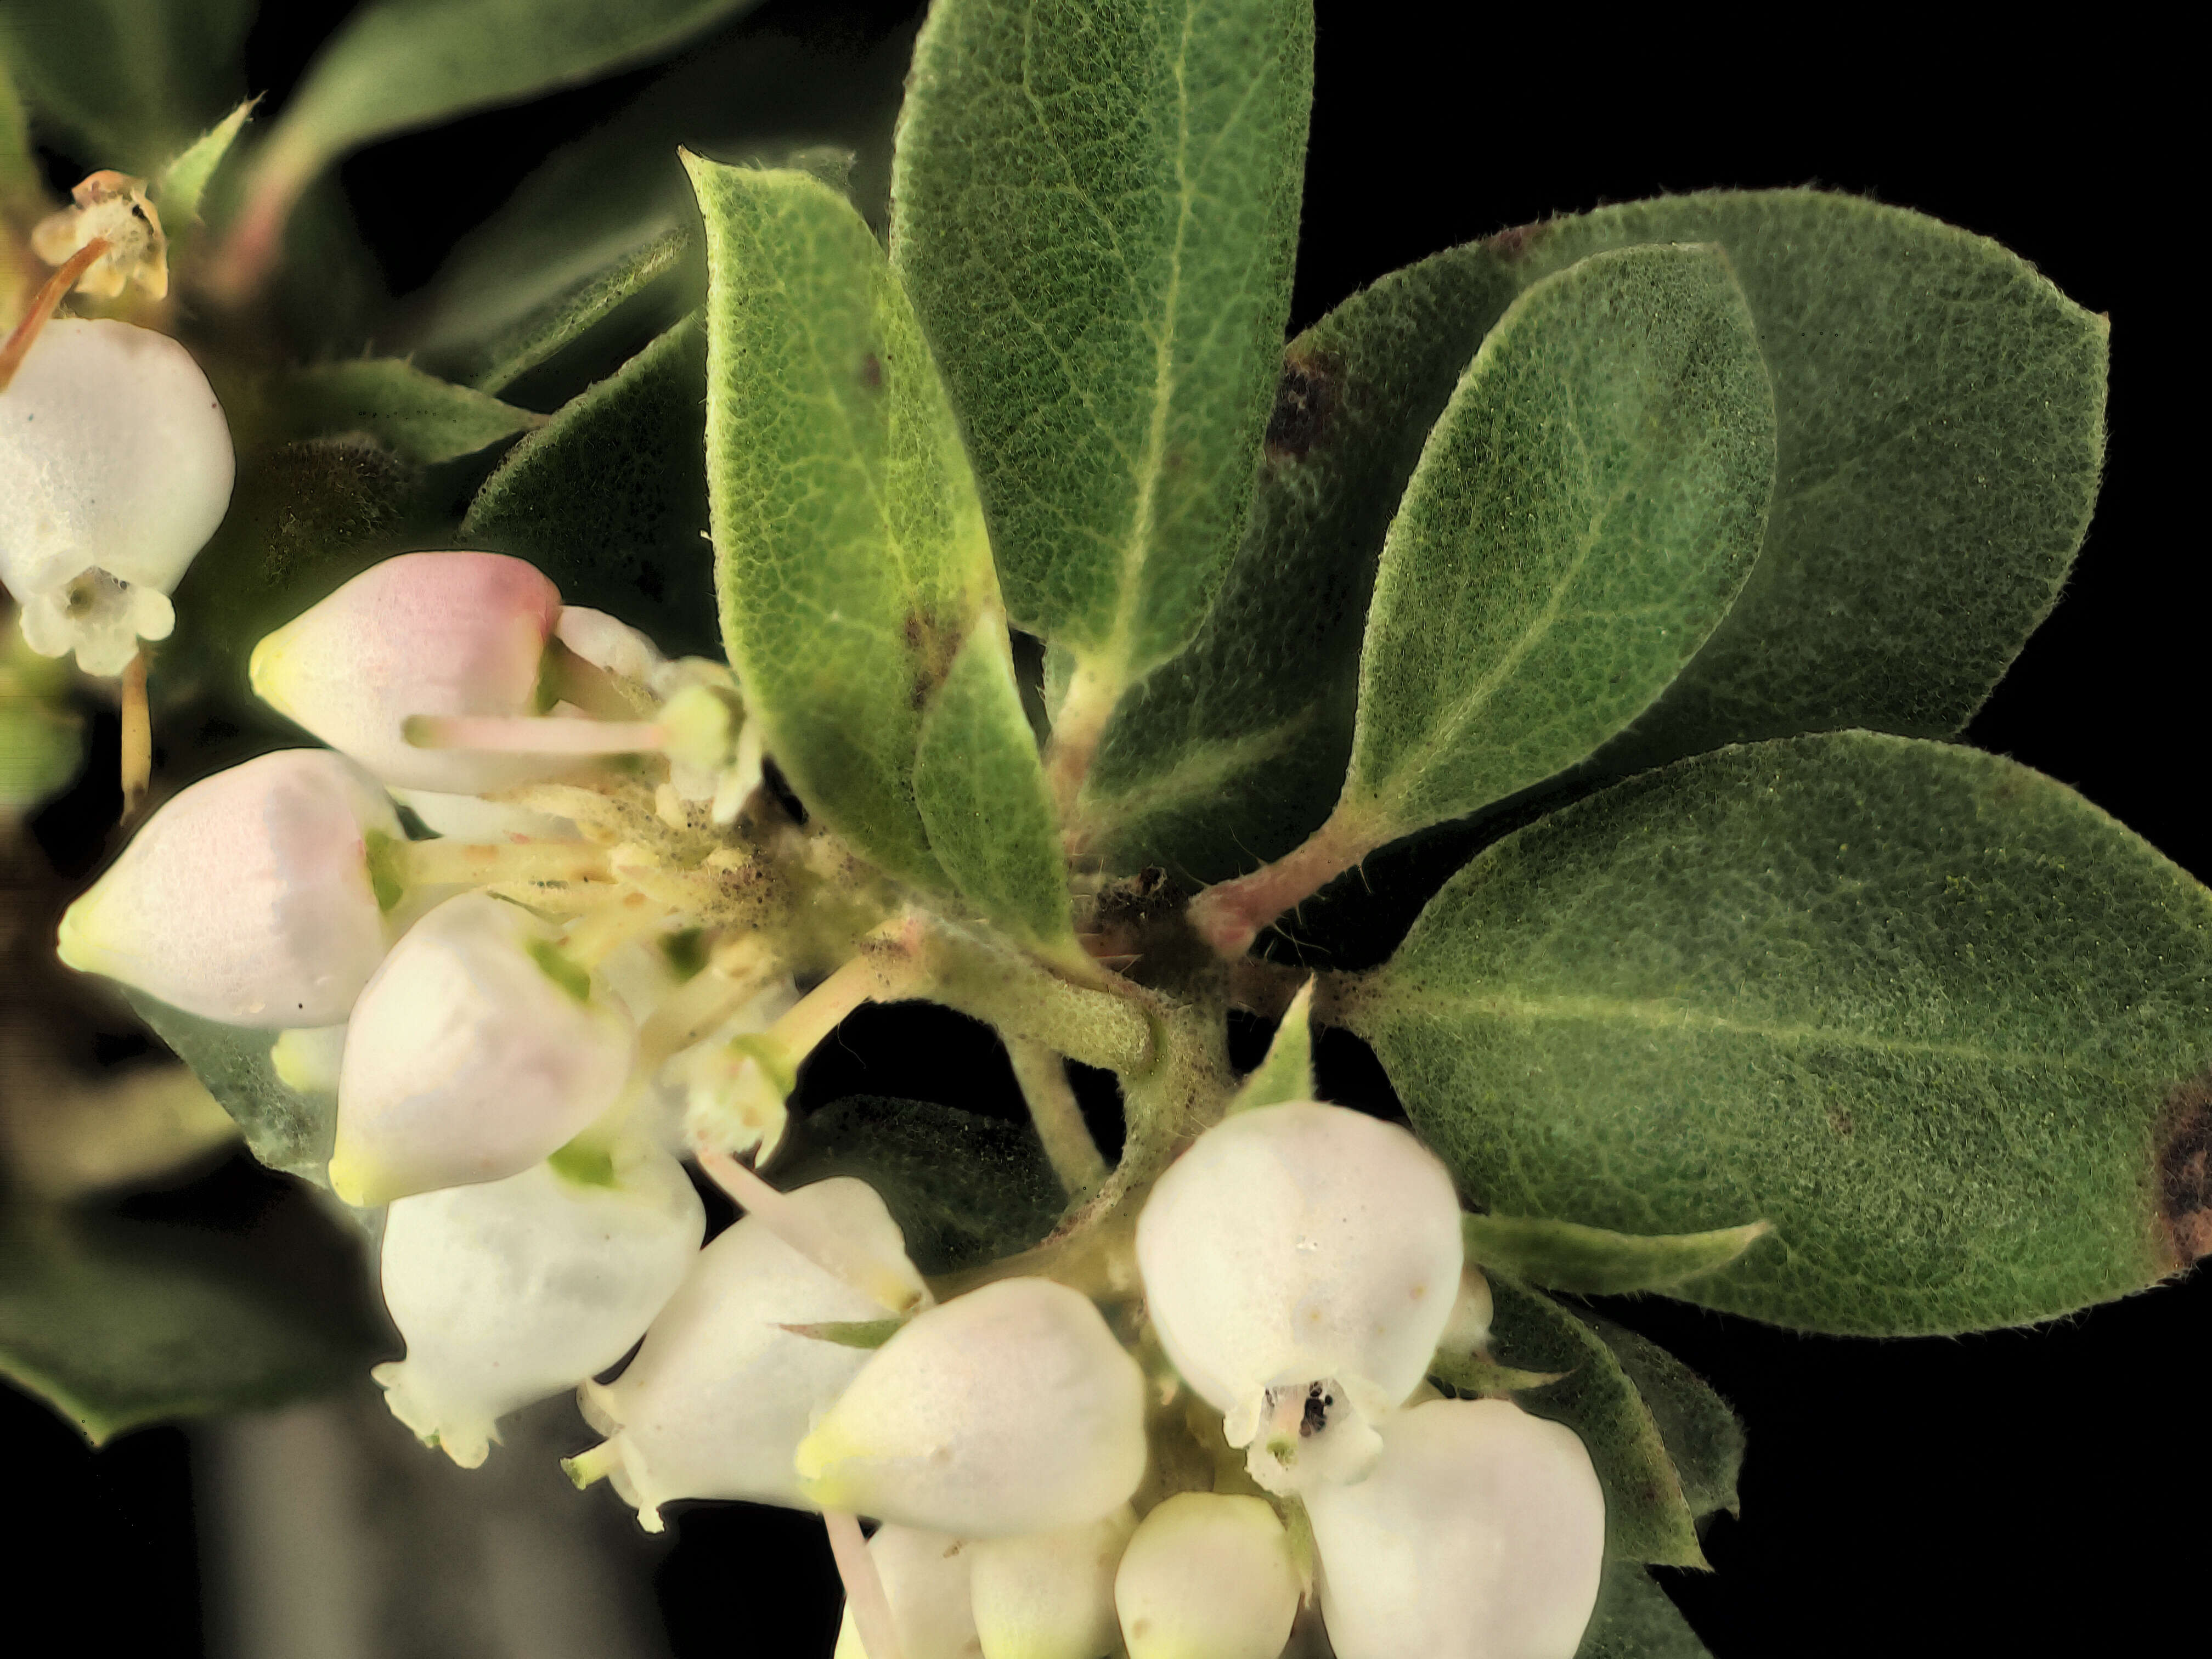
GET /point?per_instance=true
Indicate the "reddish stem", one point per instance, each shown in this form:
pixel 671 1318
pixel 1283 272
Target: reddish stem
pixel 42 307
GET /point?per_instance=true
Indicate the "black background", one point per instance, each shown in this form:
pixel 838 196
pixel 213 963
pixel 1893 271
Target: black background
pixel 1996 1492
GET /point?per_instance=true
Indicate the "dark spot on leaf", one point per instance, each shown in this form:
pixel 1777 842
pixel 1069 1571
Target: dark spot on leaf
pixel 2185 1171
pixel 1306 399
pixel 932 648
pixel 1519 242
pixel 872 371
pixel 1839 1120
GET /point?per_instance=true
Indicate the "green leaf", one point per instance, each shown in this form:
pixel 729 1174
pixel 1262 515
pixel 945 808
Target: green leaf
pixel 1936 1017
pixel 397 64
pixel 1634 1619
pixel 1287 1072
pixel 22 181
pixel 1582 516
pixel 184 182
pixel 1561 1255
pixel 751 95
pixel 562 319
pixel 1704 1438
pixel 609 497
pixel 41 746
pixel 1941 410
pixel 981 794
pixel 285 1128
pixel 1647 1518
pixel 127 82
pixel 120 1323
pixel 850 551
pixel 964 1190
pixel 419 416
pixel 1237 750
pixel 1096 207
pixel 304 519
pixel 1472 1374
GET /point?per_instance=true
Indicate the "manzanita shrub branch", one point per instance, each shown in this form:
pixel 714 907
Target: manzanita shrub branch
pixel 1693 530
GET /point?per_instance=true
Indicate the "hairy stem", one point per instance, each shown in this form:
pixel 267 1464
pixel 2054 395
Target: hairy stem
pixel 1059 1118
pixel 1229 916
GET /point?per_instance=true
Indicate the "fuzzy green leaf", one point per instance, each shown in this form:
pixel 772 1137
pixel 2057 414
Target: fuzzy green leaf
pixel 750 95
pixel 981 794
pixel 531 339
pixel 1634 1619
pixel 118 1323
pixel 397 65
pixel 1942 430
pixel 964 1190
pixel 184 182
pixel 1647 1518
pixel 417 414
pixel 1472 1374
pixel 850 552
pixel 1560 1255
pixel 1287 1072
pixel 286 1128
pixel 1096 204
pixel 1936 1017
pixel 609 497
pixel 1926 509
pixel 1705 1438
pixel 1581 517
pixel 128 83
pixel 1237 748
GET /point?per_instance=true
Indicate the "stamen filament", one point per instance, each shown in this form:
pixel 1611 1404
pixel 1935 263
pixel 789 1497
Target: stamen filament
pixel 529 734
pixel 600 932
pixel 870 1605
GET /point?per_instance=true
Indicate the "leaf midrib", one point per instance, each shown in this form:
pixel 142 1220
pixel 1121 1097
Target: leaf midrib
pixel 1655 1013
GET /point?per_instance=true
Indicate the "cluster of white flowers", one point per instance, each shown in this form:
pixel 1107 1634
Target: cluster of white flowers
pixel 520 1065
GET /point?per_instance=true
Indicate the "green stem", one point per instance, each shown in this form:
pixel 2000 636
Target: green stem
pixel 1229 916
pixel 1059 1118
pixel 1027 1002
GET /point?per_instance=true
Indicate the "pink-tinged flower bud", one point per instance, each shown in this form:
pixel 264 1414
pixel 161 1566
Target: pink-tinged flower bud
pixel 515 1290
pixel 1050 1595
pixel 1479 1534
pixel 925 1577
pixel 1208 1577
pixel 115 468
pixel 1011 1409
pixel 249 897
pixel 1301 1261
pixel 422 633
pixel 722 1392
pixel 478 1049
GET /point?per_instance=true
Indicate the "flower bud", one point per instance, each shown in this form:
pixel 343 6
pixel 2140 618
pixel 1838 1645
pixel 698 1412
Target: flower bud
pixel 1479 1534
pixel 1209 1577
pixel 422 633
pixel 247 898
pixel 925 1577
pixel 1050 1595
pixel 476 1050
pixel 514 1290
pixel 115 468
pixel 1300 1261
pixel 720 1395
pixel 1011 1409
